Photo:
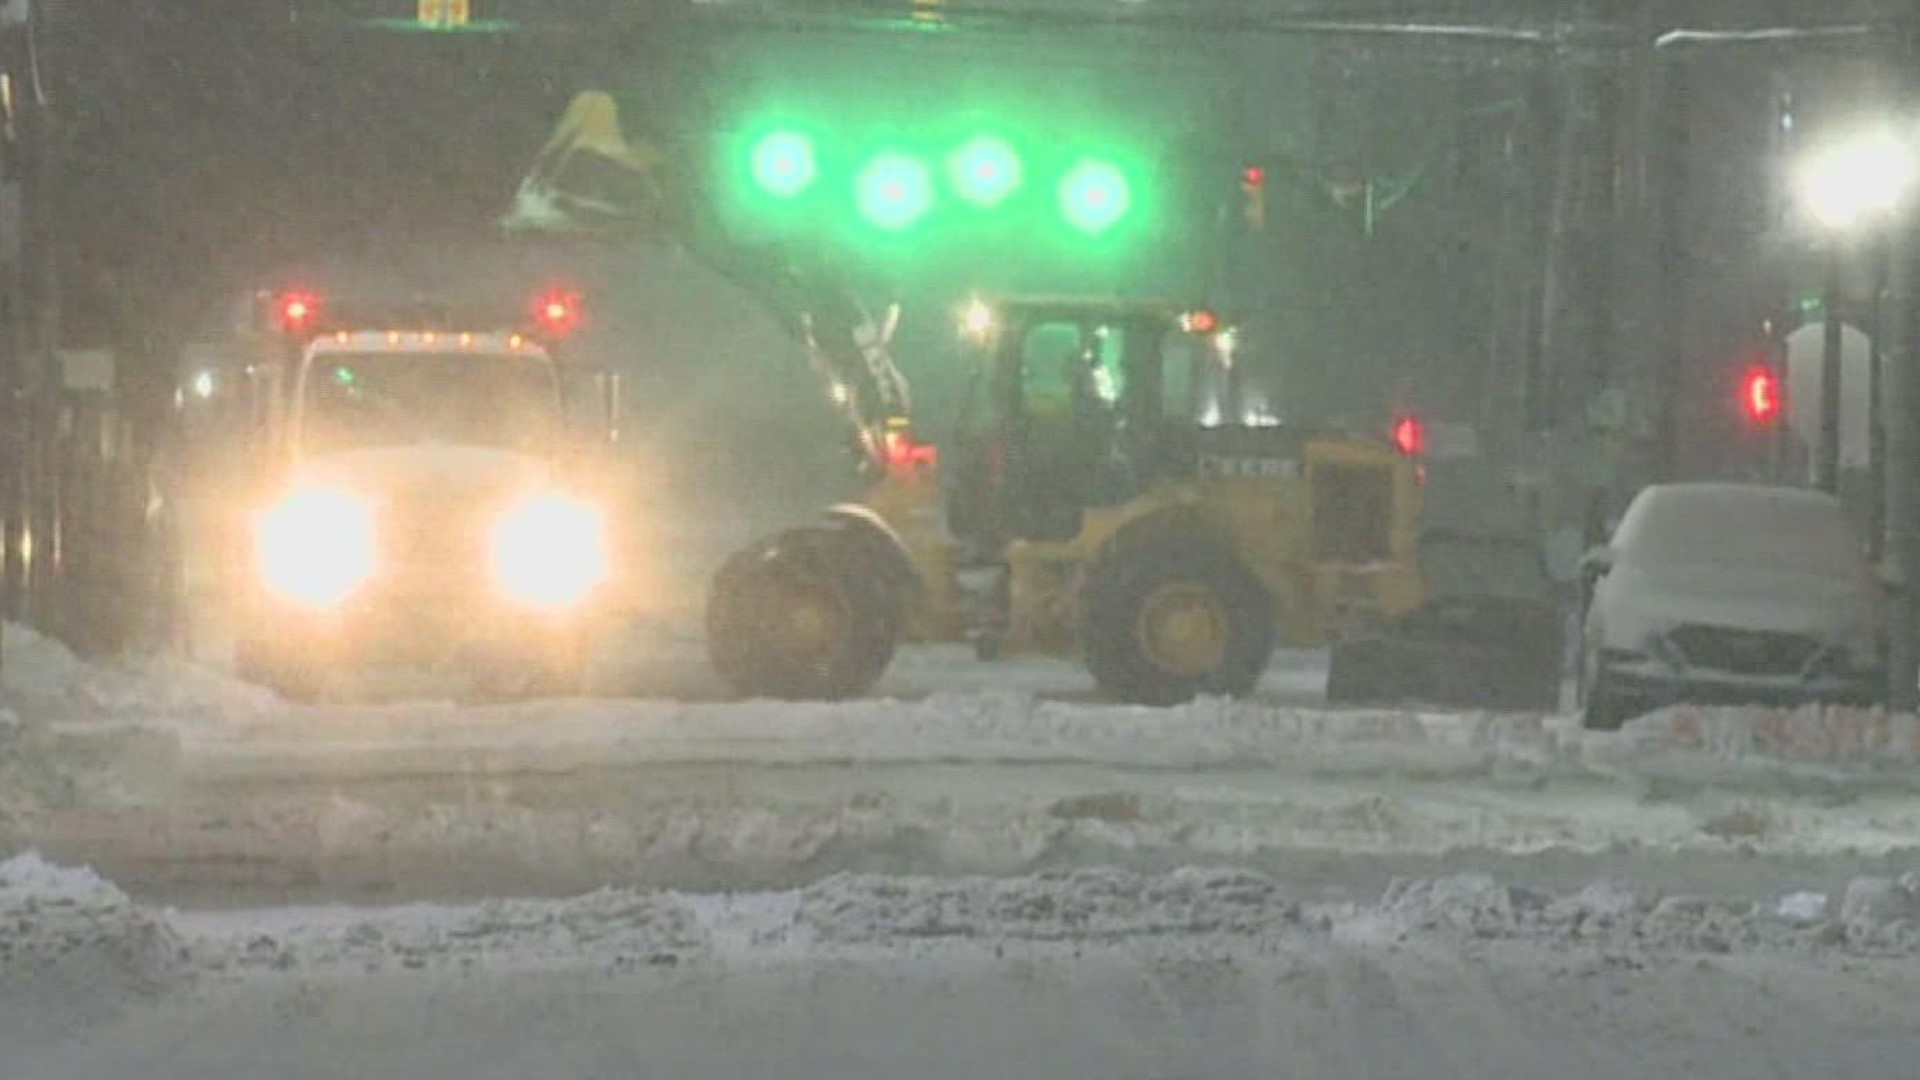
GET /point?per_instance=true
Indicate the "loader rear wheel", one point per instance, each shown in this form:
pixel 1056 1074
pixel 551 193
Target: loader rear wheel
pixel 1165 623
pixel 801 617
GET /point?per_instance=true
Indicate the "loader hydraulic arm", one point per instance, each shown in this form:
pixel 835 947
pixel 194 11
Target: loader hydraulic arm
pixel 809 291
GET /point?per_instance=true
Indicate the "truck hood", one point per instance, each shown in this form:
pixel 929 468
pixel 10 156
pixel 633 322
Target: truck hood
pixel 445 470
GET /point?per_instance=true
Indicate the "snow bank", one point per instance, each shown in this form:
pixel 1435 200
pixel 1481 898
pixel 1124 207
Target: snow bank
pixel 42 679
pixel 1786 752
pixel 612 928
pixel 1878 916
pixel 44 769
pixel 1818 752
pixel 1810 734
pixel 1082 905
pixel 71 942
pixel 74 940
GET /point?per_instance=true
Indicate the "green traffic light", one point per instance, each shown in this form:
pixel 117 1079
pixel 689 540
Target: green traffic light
pixel 894 191
pixel 1094 196
pixel 782 163
pixel 985 171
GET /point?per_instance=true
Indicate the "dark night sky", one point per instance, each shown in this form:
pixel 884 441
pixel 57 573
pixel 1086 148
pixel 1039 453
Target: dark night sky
pixel 213 139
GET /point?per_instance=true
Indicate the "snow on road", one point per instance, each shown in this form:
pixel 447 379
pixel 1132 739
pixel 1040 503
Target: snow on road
pixel 184 786
pixel 1095 973
pixel 977 873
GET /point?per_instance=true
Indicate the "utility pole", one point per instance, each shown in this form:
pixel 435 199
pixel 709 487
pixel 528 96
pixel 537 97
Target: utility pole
pixel 1671 189
pixel 16 332
pixel 1900 562
pixel 1827 472
pixel 1880 256
pixel 1900 548
pixel 32 304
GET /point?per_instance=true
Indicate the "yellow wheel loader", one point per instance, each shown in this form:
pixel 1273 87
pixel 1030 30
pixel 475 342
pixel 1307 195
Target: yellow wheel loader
pixel 1083 509
pixel 1084 513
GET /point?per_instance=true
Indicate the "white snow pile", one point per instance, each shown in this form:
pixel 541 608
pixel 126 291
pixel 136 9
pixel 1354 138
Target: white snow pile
pixel 1803 751
pixel 37 772
pixel 1079 905
pixel 46 768
pixel 1218 732
pixel 1877 916
pixel 41 679
pixel 1778 751
pixel 614 928
pixel 16 800
pixel 67 937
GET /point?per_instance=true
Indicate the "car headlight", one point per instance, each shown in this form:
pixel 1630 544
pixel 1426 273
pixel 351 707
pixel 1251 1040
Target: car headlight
pixel 315 546
pixel 550 551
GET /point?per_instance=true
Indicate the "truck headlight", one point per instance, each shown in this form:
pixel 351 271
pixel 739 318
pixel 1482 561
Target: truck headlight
pixel 549 551
pixel 315 546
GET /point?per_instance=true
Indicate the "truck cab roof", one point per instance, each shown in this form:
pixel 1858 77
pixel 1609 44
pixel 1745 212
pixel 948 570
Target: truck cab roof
pixel 425 341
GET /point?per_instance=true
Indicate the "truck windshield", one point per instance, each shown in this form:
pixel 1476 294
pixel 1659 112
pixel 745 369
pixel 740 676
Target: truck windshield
pixel 355 400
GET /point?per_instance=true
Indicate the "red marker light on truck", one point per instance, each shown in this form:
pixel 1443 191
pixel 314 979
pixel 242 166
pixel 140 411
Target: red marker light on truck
pixel 298 312
pixel 557 313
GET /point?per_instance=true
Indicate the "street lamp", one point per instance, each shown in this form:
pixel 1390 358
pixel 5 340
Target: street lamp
pixel 1853 183
pixel 1866 181
pixel 1859 180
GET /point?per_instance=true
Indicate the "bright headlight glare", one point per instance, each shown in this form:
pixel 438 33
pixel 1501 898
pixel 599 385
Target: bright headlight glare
pixel 550 551
pixel 315 546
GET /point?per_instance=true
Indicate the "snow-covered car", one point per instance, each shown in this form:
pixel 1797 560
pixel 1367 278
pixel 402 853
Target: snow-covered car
pixel 1730 593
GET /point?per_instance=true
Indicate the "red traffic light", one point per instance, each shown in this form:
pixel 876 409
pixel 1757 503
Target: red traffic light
pixel 1409 435
pixel 1760 395
pixel 557 313
pixel 1253 176
pixel 297 311
pixel 1201 321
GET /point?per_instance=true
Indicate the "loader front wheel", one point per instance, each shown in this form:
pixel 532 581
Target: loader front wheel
pixel 1165 623
pixel 800 617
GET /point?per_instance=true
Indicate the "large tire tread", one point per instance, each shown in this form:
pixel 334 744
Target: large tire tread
pixel 1119 584
pixel 752 665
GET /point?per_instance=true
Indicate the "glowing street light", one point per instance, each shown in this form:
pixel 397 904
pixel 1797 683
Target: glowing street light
pixel 1863 178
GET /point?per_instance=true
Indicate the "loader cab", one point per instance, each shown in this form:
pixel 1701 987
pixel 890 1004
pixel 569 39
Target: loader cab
pixel 1077 404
